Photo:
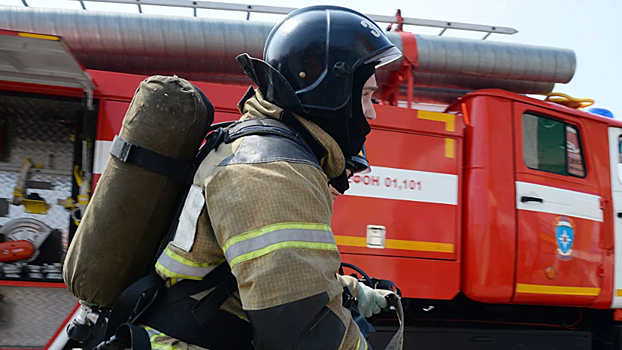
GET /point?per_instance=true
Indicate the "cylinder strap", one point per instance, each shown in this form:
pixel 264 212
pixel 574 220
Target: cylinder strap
pixel 128 152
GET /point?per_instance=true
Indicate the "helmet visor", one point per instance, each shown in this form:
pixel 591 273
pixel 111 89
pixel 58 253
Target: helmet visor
pixel 384 57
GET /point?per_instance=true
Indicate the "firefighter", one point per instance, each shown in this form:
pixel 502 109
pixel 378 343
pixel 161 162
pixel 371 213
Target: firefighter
pixel 264 208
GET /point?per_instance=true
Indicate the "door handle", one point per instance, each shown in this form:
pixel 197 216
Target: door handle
pixel 531 199
pixel 620 214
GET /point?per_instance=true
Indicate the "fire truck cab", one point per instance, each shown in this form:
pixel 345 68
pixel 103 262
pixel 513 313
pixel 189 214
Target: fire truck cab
pixel 501 211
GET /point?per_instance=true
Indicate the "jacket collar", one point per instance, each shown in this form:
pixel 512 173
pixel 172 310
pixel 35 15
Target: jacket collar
pixel 253 105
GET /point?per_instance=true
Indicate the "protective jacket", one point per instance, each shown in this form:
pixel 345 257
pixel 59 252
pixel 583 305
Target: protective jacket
pixel 261 204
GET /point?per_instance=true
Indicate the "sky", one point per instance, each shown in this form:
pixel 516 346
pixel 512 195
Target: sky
pixel 589 28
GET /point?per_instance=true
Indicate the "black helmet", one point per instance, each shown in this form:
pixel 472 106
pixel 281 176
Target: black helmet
pixel 318 59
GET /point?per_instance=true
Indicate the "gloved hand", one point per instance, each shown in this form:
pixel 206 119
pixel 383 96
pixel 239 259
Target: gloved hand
pixel 370 302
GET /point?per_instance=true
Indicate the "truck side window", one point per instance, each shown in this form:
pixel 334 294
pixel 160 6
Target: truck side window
pixel 552 145
pixel 620 159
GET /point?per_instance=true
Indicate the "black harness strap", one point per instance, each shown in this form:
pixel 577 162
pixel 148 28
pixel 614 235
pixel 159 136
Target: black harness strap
pixel 128 152
pixel 171 313
pixel 207 307
pixel 210 303
pixel 261 127
pixel 127 336
pixel 224 331
pixel 129 302
pixel 137 335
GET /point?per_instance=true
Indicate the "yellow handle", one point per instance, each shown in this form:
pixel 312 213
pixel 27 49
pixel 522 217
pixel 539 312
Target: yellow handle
pixel 77 175
pixel 568 101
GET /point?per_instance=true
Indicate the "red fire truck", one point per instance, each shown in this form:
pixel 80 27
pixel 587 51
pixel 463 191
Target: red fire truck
pixel 495 213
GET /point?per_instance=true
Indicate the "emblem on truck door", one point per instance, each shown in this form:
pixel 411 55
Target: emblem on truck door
pixel 564 235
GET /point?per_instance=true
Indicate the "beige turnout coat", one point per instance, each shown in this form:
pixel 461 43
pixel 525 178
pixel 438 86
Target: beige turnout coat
pixel 269 218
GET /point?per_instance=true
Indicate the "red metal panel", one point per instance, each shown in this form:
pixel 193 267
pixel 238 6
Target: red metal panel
pixel 40 89
pixel 6 283
pixel 489 242
pixel 8 32
pixel 111 119
pixel 537 252
pixel 576 280
pixel 96 178
pixel 411 120
pixel 422 235
pixel 416 278
pixel 601 165
pixel 420 223
pixel 410 221
pixel 410 151
pixel 603 301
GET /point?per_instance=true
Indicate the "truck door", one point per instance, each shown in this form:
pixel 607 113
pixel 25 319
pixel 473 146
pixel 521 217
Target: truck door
pixel 615 161
pixel 558 210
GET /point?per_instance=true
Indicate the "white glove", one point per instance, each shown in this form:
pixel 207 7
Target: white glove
pixel 370 302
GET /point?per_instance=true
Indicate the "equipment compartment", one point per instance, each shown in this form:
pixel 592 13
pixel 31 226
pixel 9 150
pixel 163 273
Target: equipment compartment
pixel 43 137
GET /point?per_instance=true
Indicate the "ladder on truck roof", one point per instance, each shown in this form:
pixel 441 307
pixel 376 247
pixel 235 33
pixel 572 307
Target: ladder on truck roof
pixel 223 6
